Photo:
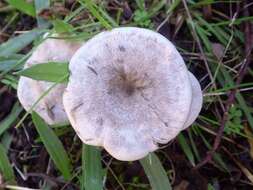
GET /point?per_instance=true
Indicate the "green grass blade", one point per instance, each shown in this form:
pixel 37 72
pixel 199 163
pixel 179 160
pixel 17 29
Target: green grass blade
pixel 92 168
pixel 155 172
pixel 156 7
pixel 18 64
pixel 8 121
pixel 186 148
pixel 107 17
pixel 225 35
pixel 227 88
pixel 10 81
pixel 201 32
pixel 5 167
pixel 51 71
pixel 211 29
pixel 73 14
pixel 53 146
pixel 16 44
pixel 61 26
pixel 7 62
pixel 235 22
pixel 140 4
pixel 173 6
pixel 6 140
pixel 23 6
pixel 91 6
pixel 193 145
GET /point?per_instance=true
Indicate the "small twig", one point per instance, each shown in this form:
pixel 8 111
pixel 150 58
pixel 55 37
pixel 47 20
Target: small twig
pixel 231 96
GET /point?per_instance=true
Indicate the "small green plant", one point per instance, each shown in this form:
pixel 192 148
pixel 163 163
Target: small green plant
pixel 234 125
pixel 141 18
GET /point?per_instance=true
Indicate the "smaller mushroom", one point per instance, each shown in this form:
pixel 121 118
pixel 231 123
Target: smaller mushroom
pixel 50 108
pixel 129 91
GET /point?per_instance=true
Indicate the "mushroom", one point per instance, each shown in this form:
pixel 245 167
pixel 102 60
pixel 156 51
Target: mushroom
pixel 129 91
pixel 50 108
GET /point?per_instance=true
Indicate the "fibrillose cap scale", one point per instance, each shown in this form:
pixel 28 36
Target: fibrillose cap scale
pixel 129 90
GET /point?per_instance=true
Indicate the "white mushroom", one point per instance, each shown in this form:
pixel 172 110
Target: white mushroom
pixel 50 108
pixel 129 90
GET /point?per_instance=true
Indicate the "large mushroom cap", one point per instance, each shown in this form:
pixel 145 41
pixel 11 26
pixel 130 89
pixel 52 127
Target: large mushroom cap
pixel 50 108
pixel 129 90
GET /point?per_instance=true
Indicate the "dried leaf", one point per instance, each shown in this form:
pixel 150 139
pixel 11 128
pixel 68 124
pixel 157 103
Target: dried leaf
pixel 218 50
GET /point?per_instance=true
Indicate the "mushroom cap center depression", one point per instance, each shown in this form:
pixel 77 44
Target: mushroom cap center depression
pixel 128 82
